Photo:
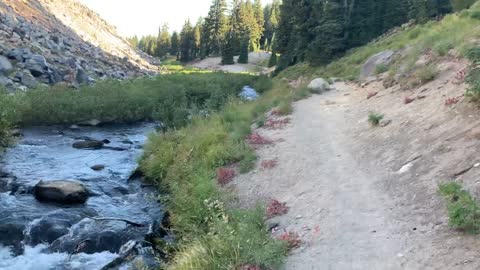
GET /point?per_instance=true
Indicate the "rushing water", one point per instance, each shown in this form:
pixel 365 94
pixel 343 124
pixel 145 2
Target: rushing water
pixel 45 236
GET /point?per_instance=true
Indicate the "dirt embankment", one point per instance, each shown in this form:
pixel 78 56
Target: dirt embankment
pixel 364 197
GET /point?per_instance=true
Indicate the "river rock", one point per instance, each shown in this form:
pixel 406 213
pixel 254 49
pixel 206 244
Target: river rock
pixel 89 144
pixel 98 167
pixel 319 85
pixel 66 192
pixel 370 66
pixel 90 236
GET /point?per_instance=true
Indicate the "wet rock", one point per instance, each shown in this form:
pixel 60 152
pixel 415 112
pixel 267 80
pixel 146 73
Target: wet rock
pixel 5 65
pixel 11 233
pixel 52 226
pixel 113 148
pixel 90 236
pixel 319 85
pixel 7 184
pixel 66 192
pixel 91 123
pixel 98 167
pixel 88 144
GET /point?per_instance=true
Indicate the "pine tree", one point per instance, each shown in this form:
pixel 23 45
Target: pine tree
pixel 260 24
pixel 228 50
pixel 273 59
pixel 243 58
pixel 175 45
pixel 187 42
pixel 163 42
pixel 214 29
pixel 329 40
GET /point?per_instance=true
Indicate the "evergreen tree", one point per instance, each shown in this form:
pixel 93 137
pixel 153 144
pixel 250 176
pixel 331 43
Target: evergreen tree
pixel 175 45
pixel 163 42
pixel 187 42
pixel 228 50
pixel 214 29
pixel 329 40
pixel 243 58
pixel 197 39
pixel 273 59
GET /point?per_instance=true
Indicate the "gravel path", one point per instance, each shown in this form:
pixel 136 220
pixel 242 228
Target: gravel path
pixel 342 201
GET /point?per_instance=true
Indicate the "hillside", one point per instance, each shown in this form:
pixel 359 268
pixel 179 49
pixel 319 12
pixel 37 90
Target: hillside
pixel 361 169
pixel 49 42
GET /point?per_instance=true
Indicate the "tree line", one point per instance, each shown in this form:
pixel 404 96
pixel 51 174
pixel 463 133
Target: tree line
pixel 229 29
pixel 314 31
pixel 317 31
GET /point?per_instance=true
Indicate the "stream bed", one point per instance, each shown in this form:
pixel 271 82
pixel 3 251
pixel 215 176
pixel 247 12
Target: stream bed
pixel 38 235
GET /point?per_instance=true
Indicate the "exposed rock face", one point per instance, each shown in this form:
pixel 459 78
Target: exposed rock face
pixel 5 65
pixel 66 192
pixel 53 41
pixel 319 85
pixel 382 58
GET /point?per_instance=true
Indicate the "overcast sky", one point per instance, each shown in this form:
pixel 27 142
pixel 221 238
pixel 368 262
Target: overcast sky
pixel 143 17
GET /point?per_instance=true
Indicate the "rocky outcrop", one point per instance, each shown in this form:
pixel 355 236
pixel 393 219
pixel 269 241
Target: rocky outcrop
pixel 66 192
pixel 371 65
pixel 53 41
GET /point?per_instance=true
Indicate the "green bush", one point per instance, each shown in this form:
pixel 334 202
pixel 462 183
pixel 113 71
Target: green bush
pixel 382 68
pixel 426 74
pixel 375 118
pixel 463 210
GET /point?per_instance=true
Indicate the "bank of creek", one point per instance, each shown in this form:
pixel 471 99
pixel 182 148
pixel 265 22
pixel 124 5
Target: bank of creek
pixel 121 213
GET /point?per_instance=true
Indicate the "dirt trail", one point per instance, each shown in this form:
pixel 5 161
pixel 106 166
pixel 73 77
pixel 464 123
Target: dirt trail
pixel 342 184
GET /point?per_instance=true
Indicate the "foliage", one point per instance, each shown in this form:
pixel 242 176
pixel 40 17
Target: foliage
pixel 276 208
pixel 170 98
pixel 426 73
pixel 382 68
pixel 375 118
pixel 463 209
pixel 225 175
pixel 212 235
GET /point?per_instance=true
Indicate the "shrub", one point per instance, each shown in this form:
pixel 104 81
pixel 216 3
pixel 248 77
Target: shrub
pixel 382 68
pixel 426 73
pixel 284 108
pixel 463 210
pixel 276 208
pixel 375 118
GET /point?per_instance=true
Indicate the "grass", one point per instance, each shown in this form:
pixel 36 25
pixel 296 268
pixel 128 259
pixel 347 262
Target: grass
pixel 375 118
pixel 186 161
pixel 463 209
pixel 426 74
pixel 171 98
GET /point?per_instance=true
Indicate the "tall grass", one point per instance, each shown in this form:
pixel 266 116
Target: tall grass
pixel 184 162
pixel 171 98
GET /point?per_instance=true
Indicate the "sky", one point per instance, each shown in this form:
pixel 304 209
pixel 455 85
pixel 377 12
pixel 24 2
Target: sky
pixel 143 17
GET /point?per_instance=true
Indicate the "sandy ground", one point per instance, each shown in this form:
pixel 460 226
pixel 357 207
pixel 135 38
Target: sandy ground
pixel 366 198
pixel 256 63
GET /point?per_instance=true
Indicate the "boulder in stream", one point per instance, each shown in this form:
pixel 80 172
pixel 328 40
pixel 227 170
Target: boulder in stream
pixel 66 192
pixel 88 144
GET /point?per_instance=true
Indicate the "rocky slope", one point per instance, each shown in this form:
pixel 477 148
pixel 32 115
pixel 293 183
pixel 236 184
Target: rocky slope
pixel 62 41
